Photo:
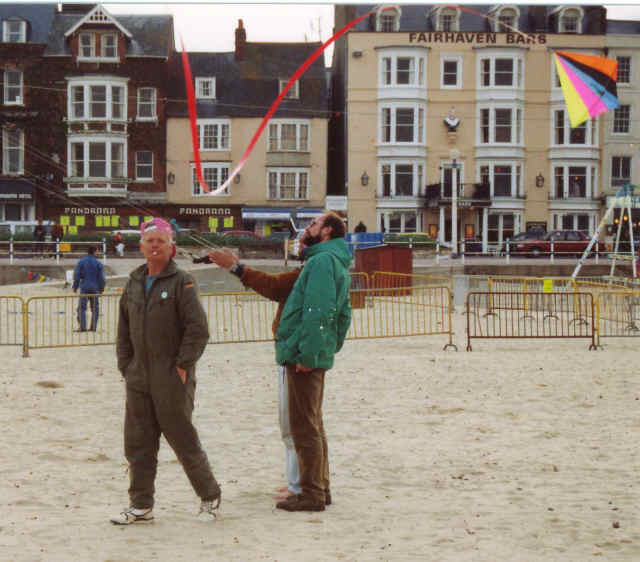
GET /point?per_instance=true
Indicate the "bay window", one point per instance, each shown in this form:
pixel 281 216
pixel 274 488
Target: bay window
pixel 402 69
pixel 564 134
pixel 97 158
pixel 402 124
pixel 573 182
pixel 500 125
pixel 400 179
pixel 288 136
pixel 288 183
pixel 214 175
pixel 505 179
pixel 97 100
pixel 501 71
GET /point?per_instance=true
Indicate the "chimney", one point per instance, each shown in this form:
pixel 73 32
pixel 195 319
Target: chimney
pixel 241 41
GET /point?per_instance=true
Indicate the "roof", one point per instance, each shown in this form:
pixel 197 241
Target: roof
pixel 248 88
pixel 623 27
pixel 37 16
pixel 152 35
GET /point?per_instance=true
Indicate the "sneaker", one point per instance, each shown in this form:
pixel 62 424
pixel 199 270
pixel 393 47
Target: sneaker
pixel 209 509
pixel 133 515
pixel 300 503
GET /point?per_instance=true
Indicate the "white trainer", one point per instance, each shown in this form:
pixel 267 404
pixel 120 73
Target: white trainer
pixel 133 515
pixel 209 509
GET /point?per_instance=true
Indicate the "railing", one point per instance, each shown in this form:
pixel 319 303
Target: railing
pixel 618 314
pixel 12 321
pixel 530 316
pixel 14 249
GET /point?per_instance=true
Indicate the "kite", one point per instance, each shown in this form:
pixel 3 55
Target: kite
pixel 588 84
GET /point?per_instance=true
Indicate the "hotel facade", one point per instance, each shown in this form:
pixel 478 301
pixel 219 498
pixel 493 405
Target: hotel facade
pixel 435 95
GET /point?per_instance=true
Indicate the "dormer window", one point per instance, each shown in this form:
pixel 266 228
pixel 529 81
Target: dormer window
pixel 507 18
pixel 108 45
pixel 87 46
pixel 570 20
pixel 97 46
pixel 388 21
pixel 206 88
pixel 445 19
pixel 14 31
pixel 294 91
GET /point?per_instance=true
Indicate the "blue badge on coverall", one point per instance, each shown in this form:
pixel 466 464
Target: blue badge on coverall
pixel 163 294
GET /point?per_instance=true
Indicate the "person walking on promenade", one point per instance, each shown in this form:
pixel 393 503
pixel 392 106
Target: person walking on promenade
pixel 88 275
pixel 162 332
pixel 314 323
pixel 39 233
pixel 275 287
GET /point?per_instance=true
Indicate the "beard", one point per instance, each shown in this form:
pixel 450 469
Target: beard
pixel 309 240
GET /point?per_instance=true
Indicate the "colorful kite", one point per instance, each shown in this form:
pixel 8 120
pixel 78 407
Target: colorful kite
pixel 588 84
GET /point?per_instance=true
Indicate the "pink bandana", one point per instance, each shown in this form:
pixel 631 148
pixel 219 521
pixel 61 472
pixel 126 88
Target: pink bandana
pixel 156 224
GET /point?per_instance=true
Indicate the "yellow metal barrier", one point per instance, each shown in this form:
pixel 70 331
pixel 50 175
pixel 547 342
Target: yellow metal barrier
pixel 389 280
pixel 501 287
pixel 618 314
pixel 12 312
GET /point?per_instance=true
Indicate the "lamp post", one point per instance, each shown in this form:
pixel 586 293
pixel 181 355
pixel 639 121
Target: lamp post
pixel 454 153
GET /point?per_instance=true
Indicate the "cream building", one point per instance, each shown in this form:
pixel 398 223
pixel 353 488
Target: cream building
pixel 283 182
pixel 436 95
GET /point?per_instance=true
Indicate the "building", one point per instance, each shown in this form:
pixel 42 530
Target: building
pixel 433 96
pixel 97 92
pixel 283 183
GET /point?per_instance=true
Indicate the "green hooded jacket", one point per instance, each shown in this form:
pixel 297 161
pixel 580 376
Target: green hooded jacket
pixel 317 314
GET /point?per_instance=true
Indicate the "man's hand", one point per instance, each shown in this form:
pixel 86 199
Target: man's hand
pixel 224 258
pixel 182 374
pixel 302 368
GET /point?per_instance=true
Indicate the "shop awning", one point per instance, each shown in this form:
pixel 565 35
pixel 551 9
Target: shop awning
pixel 308 213
pixel 16 190
pixel 266 213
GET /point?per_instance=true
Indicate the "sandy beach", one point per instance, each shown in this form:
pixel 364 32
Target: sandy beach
pixel 517 451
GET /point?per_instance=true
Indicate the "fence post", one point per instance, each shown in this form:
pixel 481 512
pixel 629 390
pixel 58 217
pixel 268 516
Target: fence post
pixel 104 250
pixel 437 252
pixel 597 251
pixel 11 250
pixel 25 329
pixel 551 255
pixel 57 251
pixel 507 255
pixel 462 249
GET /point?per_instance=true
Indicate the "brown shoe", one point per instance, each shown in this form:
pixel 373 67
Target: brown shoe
pixel 299 503
pixel 327 497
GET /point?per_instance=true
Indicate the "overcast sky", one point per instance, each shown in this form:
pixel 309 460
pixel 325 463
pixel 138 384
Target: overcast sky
pixel 210 26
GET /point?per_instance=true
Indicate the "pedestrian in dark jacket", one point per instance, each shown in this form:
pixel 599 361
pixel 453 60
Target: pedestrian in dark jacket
pixel 313 326
pixel 89 277
pixel 162 332
pixel 39 233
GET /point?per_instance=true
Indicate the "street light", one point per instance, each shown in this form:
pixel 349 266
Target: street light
pixel 454 153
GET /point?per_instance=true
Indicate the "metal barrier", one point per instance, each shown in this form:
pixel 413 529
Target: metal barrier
pixel 415 311
pixel 500 286
pixel 12 313
pixel 49 249
pixel 618 314
pixel 53 322
pixel 389 280
pixel 530 315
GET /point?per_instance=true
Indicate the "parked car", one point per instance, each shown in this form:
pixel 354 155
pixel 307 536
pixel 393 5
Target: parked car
pixel 565 243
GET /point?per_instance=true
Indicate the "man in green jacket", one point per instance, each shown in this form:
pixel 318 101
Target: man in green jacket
pixel 312 329
pixel 162 332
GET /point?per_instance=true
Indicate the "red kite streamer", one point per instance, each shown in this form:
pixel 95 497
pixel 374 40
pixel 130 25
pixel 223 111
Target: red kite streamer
pixel 303 68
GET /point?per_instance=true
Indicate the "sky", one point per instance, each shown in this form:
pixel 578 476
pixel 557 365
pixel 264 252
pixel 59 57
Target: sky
pixel 210 26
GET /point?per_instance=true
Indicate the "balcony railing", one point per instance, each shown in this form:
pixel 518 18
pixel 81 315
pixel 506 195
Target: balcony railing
pixel 470 194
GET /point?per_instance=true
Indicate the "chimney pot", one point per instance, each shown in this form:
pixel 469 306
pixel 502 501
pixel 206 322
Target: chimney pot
pixel 241 41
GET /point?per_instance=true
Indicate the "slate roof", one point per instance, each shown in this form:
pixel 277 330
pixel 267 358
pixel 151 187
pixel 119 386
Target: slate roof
pixel 625 27
pixel 248 88
pixel 152 34
pixel 38 17
pixel 413 17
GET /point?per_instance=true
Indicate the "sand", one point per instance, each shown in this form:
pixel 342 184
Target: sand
pixel 517 451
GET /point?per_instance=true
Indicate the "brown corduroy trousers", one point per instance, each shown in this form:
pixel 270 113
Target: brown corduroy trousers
pixel 306 391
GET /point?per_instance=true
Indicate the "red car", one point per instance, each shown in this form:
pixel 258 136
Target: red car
pixel 565 243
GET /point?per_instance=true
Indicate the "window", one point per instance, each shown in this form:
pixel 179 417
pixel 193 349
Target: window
pixel 402 124
pixel 294 91
pixel 108 45
pixel 401 70
pixel 99 100
pixel 144 165
pixel 213 134
pixel 508 19
pixel 87 45
pixel 97 158
pixel 620 170
pixel 500 125
pixel 12 152
pixel 388 21
pixel 505 179
pixel 288 136
pixel 13 87
pixel 570 21
pixel 451 72
pixel 624 70
pixel 573 182
pixel 288 183
pixel 401 179
pixel 215 174
pixel 502 72
pixel 447 19
pixel 206 88
pixel 622 119
pixel 146 103
pixel 399 221
pixel 564 134
pixel 14 32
